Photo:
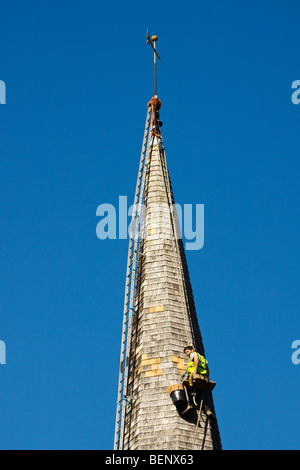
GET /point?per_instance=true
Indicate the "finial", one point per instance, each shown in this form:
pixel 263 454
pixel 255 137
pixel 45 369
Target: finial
pixel 153 45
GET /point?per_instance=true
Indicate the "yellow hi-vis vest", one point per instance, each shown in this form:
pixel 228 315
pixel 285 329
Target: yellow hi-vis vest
pixel 202 365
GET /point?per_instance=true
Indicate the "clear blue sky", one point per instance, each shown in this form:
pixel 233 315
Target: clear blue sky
pixel 78 77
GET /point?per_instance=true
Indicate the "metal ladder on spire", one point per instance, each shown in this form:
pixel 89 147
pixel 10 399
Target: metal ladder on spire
pixel 131 277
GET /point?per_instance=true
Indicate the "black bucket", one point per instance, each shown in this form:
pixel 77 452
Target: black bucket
pixel 179 398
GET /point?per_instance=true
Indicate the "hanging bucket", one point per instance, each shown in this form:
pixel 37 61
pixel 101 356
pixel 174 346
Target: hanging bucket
pixel 177 395
pixel 178 398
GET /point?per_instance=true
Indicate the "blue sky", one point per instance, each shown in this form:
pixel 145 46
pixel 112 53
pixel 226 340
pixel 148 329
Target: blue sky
pixel 78 77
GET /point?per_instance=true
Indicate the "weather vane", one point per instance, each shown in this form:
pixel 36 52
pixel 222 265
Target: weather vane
pixel 152 41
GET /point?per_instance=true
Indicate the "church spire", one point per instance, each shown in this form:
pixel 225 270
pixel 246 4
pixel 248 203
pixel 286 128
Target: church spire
pixel 159 318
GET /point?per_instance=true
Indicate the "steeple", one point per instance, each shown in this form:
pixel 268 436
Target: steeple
pixel 159 317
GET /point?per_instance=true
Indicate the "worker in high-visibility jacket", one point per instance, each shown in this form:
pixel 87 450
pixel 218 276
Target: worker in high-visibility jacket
pixel 197 363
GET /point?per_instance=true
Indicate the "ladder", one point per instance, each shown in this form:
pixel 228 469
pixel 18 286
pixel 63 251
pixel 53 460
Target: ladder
pixel 131 277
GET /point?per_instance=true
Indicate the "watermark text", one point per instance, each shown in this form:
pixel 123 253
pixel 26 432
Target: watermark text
pixel 2 92
pixel 158 221
pixel 296 353
pixel 2 352
pixel 296 95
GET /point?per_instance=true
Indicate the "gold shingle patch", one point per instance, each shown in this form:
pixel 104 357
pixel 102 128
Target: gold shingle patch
pixel 159 308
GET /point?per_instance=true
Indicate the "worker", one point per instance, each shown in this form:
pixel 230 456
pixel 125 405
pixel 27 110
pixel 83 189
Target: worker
pixel 197 363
